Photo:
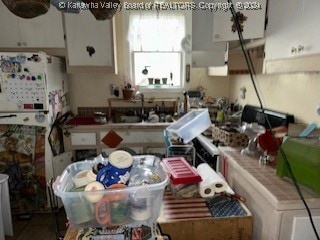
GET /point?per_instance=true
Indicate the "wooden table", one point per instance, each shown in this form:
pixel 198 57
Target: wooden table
pixel 190 219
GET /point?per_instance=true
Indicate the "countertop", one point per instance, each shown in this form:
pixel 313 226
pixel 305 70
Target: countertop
pixel 280 192
pixel 88 123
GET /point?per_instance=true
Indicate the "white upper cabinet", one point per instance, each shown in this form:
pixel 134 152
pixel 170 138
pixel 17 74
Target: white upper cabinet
pixel 205 52
pixel 44 31
pixel 292 29
pixel 89 42
pixel 292 36
pixel 252 13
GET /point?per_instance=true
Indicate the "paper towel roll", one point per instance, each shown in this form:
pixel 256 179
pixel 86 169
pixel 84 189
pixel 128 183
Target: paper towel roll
pixel 211 182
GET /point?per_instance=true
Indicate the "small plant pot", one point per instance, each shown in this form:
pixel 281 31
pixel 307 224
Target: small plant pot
pixel 164 80
pixel 127 94
pixel 150 81
pixel 157 81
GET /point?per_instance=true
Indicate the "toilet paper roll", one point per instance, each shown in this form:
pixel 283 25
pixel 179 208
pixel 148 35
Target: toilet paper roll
pixel 206 189
pixel 211 182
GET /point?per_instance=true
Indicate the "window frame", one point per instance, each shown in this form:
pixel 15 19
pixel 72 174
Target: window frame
pixel 129 62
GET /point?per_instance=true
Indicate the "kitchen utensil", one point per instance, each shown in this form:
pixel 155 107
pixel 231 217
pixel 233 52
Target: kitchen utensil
pixel 117 170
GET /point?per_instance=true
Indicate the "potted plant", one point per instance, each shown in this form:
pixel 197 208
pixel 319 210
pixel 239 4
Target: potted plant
pixel 128 89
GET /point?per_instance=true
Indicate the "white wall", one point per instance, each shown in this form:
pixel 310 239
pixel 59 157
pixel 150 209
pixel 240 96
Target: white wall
pixel 92 90
pixel 297 94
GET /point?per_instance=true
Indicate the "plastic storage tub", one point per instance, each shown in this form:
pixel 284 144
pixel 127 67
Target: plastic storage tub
pixel 122 206
pixel 191 125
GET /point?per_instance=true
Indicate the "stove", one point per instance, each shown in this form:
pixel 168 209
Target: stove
pixel 206 151
pixel 206 148
pixel 252 114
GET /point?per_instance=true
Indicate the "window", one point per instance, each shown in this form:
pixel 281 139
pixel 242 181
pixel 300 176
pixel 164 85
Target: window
pixel 155 45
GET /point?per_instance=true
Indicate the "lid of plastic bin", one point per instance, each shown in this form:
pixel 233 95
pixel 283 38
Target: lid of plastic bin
pixel 181 171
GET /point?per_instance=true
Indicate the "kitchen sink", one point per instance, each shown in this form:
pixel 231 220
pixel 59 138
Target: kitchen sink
pixel 128 119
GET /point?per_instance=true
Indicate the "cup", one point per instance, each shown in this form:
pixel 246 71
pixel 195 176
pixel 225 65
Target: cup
pixel 117 170
pixel 112 209
pixel 150 80
pixel 81 211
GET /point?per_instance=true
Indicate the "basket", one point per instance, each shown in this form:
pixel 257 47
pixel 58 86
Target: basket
pixel 101 9
pixel 27 8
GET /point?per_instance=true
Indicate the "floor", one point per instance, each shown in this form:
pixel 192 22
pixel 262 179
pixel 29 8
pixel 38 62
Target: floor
pixel 38 226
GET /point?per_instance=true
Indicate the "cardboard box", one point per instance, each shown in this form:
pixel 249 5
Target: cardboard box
pixel 230 138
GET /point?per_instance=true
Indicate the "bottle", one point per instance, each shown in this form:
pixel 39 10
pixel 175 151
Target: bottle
pixel 163 107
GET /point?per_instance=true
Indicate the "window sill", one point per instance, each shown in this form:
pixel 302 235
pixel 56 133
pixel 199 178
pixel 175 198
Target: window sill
pixel 161 89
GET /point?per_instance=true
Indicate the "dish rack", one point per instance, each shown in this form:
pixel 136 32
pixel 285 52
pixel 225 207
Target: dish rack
pixel 179 149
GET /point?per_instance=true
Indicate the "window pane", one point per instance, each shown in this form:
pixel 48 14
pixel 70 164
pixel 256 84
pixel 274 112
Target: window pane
pixel 160 31
pixel 159 65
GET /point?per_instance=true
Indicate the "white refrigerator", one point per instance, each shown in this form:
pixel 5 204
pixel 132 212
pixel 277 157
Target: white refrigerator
pixel 33 94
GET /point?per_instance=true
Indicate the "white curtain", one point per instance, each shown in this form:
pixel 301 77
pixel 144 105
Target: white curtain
pixel 156 31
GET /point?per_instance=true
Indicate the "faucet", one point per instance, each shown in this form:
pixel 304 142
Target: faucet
pixel 141 96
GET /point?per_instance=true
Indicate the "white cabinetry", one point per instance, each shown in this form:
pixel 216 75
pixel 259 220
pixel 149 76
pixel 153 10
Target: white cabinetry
pixel 292 36
pixel 44 31
pixel 274 201
pixel 89 43
pixel 83 139
pixel 142 141
pixel 253 25
pixel 204 52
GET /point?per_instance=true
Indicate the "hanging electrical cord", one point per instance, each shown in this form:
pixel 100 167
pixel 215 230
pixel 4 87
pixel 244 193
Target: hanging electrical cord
pixel 252 74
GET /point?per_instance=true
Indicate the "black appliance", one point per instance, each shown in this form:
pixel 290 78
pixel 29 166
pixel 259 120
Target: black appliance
pixel 252 113
pixel 206 152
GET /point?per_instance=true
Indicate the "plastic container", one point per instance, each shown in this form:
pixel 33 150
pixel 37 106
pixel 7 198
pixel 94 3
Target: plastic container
pixel 184 178
pixel 304 159
pixel 116 206
pixel 191 125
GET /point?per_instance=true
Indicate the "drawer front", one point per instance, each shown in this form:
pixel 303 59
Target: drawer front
pixel 83 139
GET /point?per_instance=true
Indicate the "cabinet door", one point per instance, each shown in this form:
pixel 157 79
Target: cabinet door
pixel 253 25
pixel 291 30
pixel 83 139
pixel 89 41
pixel 9 28
pixel 284 28
pixel 205 52
pixel 44 31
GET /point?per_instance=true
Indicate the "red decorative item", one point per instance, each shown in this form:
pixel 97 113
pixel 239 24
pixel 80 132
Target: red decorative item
pixel 269 143
pixel 181 171
pixel 112 139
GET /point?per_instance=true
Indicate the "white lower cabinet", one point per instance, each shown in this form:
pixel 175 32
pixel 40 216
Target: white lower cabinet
pixel 141 141
pixel 278 212
pixel 83 139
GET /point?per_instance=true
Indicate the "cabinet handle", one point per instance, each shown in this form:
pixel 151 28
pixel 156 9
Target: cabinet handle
pixel 24 44
pixel 18 44
pixel 300 48
pixel 216 36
